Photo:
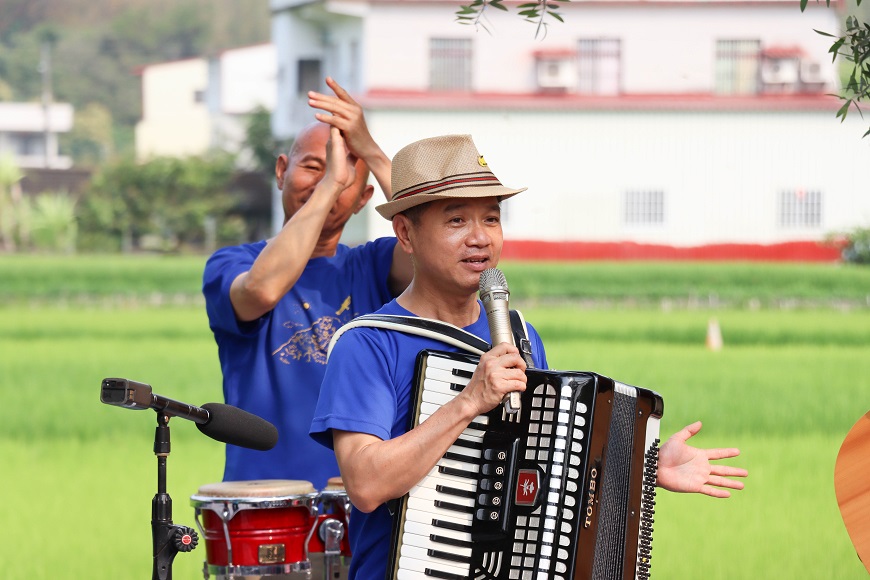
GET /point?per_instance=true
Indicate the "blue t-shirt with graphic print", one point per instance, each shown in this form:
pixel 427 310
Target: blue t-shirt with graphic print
pixel 273 366
pixel 367 389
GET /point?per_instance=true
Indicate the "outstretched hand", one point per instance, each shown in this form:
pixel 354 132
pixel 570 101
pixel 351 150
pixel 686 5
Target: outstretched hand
pixel 686 469
pixel 345 114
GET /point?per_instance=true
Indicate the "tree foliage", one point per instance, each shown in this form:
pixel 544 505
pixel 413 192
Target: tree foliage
pixel 10 202
pixel 535 12
pixel 91 139
pixel 164 204
pixel 260 143
pixel 53 225
pixel 854 46
pixel 99 46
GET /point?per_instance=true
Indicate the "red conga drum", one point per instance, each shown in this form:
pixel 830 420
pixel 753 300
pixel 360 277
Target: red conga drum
pixel 328 546
pixel 256 528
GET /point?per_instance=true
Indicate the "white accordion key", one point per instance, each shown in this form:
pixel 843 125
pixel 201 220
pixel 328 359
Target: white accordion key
pixel 426 517
pixel 426 528
pixel 419 565
pixel 429 493
pixel 424 542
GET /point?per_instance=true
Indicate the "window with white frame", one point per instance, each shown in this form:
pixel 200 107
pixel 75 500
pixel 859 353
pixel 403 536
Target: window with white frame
pixel 800 208
pixel 599 66
pixel 737 63
pixel 644 207
pixel 450 61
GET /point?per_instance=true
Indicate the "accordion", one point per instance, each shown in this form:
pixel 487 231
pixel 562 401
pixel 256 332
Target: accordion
pixel 562 489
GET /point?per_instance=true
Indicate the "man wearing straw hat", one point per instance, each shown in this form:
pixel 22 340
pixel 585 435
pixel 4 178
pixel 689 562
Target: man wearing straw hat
pixel 445 210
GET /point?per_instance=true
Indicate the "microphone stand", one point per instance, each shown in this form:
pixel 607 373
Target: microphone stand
pixel 167 539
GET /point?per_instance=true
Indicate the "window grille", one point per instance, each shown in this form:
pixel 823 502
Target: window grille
pixel 450 61
pixel 599 62
pixel 737 64
pixel 800 208
pixel 645 207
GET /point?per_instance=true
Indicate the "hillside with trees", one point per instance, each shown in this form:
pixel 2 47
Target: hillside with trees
pixel 97 49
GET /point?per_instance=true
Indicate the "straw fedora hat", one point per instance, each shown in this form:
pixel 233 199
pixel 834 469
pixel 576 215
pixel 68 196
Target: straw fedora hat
pixel 440 168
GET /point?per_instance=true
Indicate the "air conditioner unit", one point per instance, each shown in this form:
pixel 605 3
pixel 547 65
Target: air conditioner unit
pixel 811 73
pixel 780 71
pixel 557 73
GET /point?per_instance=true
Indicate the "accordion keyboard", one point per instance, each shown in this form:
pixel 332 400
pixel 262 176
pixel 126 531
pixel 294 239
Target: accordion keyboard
pixel 508 499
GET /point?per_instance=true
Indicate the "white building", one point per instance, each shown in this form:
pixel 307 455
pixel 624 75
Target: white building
pixel 642 128
pixel 194 105
pixel 29 133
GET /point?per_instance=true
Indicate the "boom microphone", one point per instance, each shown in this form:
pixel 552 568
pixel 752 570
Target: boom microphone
pixel 495 296
pixel 223 423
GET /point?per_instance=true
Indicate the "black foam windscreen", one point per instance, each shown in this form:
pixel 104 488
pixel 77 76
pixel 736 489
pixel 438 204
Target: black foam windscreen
pixel 237 427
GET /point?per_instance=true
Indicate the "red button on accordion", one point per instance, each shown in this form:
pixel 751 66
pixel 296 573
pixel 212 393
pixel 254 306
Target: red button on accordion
pixel 563 489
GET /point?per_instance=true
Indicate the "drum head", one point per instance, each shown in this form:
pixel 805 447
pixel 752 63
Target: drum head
pixel 257 488
pixel 334 484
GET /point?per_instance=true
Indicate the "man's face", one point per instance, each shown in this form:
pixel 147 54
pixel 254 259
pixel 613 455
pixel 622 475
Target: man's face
pixel 305 169
pixel 454 240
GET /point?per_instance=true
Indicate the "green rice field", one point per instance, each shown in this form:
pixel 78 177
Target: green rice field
pixel 792 378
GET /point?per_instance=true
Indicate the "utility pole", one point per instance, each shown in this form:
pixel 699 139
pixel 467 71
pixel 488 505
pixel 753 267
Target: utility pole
pixel 45 69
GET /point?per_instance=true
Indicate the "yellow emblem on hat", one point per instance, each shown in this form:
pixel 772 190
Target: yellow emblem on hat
pixel 481 161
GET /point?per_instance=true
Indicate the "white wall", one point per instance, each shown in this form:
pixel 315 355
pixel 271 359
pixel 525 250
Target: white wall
pixel 23 133
pixel 248 79
pixel 173 122
pixel 294 39
pixel 721 171
pixel 666 47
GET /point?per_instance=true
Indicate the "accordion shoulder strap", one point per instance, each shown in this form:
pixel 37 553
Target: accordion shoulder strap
pixel 521 337
pixel 430 328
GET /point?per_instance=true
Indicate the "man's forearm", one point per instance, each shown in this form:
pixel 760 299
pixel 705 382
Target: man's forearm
pixel 280 264
pixel 376 471
pixel 381 167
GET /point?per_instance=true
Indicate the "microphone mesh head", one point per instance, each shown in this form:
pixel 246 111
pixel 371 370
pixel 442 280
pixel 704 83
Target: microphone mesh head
pixel 492 278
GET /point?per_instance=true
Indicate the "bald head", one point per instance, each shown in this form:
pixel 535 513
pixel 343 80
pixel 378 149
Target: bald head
pixel 313 130
pixel 311 136
pixel 304 167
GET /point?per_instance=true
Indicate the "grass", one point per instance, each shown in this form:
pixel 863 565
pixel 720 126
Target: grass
pixel 84 472
pixel 157 280
pixel 79 475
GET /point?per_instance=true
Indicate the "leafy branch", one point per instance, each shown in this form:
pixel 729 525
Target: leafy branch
pixel 854 46
pixel 534 12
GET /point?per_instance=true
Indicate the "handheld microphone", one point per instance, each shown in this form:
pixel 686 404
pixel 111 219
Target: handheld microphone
pixel 223 423
pixel 495 296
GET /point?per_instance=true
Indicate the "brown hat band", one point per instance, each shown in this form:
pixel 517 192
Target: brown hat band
pixel 452 182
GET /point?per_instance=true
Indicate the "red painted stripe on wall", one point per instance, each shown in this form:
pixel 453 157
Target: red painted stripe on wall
pixel 784 252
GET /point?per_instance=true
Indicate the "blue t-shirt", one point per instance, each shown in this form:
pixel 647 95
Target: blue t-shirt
pixel 367 388
pixel 273 366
